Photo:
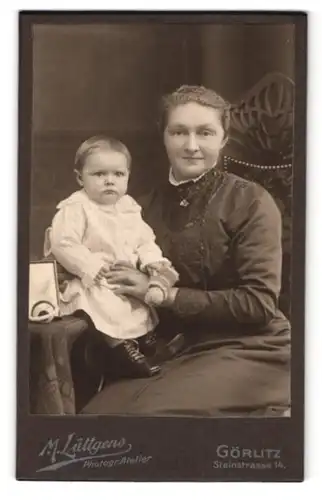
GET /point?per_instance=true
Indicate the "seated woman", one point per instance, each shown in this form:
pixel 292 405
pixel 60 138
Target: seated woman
pixel 223 235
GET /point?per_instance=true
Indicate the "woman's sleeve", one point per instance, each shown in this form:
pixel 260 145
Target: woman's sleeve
pixel 148 251
pixel 66 236
pixel 257 256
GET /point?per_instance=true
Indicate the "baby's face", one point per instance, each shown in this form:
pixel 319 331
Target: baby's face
pixel 105 176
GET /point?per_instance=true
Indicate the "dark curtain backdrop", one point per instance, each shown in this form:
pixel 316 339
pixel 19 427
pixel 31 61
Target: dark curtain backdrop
pixel 90 79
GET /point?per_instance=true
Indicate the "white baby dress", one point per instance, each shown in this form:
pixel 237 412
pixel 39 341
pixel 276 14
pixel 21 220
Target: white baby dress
pixel 83 237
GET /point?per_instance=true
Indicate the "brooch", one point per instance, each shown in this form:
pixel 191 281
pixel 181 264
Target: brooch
pixel 184 203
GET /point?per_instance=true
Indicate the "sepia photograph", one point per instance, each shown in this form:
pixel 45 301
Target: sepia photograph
pixel 160 164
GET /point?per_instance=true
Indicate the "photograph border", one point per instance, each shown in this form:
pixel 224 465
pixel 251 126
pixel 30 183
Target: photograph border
pixel 193 442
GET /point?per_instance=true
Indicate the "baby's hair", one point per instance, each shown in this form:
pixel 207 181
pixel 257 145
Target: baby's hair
pixel 99 143
pixel 200 95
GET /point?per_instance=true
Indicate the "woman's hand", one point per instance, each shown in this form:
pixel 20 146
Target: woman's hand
pixel 131 281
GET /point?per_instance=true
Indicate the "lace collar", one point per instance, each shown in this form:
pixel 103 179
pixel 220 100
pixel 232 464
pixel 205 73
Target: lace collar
pixel 186 192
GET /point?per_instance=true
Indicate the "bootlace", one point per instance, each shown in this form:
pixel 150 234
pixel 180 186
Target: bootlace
pixel 133 350
pixel 151 338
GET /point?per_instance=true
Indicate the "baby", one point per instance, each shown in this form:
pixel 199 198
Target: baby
pixel 94 229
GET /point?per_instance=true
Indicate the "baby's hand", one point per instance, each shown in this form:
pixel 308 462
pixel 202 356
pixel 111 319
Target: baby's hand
pixel 102 273
pixel 154 296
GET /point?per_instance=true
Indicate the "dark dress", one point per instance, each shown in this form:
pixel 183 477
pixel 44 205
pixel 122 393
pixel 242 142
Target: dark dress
pixel 223 235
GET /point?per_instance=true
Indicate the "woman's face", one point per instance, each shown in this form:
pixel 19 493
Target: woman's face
pixel 193 138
